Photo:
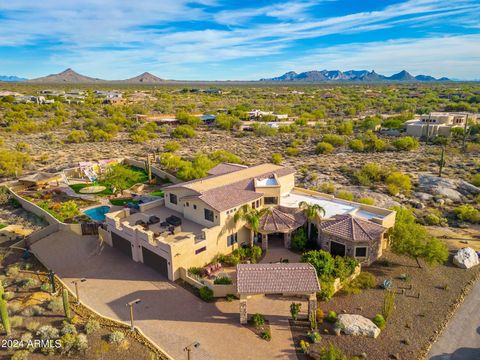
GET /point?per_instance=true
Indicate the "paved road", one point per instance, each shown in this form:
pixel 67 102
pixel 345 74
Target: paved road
pixel 461 338
pixel 168 314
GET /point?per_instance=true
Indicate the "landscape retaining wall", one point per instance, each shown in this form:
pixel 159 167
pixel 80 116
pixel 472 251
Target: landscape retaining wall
pixel 218 290
pixel 155 170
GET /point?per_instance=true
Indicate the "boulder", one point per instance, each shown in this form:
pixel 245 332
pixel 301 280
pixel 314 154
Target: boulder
pixel 356 325
pixel 453 189
pixel 466 258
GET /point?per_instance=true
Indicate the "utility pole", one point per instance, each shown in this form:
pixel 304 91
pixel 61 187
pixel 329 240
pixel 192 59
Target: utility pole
pixel 130 305
pixel 77 294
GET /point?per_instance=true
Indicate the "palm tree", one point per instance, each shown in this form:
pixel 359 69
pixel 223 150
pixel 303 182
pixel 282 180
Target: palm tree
pixel 252 217
pixel 311 211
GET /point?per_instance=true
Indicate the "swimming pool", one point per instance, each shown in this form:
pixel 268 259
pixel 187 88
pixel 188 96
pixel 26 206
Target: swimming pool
pixel 97 213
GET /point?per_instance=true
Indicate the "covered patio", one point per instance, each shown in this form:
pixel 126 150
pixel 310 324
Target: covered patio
pixel 280 221
pixel 277 279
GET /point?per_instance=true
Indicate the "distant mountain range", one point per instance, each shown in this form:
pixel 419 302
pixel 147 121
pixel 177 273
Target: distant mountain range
pixel 351 75
pixel 11 78
pixel 69 76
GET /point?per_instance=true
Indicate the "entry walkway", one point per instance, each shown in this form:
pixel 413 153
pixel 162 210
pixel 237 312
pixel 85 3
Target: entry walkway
pixel 168 314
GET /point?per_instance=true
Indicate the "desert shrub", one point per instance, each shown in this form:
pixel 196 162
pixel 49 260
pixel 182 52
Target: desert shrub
pixel 366 201
pixel 68 328
pixel 277 158
pixel 345 128
pixel 47 287
pixel 291 151
pixel 467 212
pixel 28 282
pixel 299 240
pixel 8 295
pixel 258 320
pixel 356 145
pixel 475 180
pixel 324 148
pixel 32 325
pixel 343 267
pixel 331 352
pixel 365 280
pixel 47 332
pixel 183 131
pixel 331 317
pixel 327 187
pixel 55 305
pixel 67 342
pixel 406 143
pixel 12 163
pixel 91 326
pixel 295 310
pixel 305 346
pixel 195 271
pixel 116 337
pixel 314 336
pixel 320 315
pixel 230 297
pixel 223 280
pixel 345 195
pixel 398 182
pixel 81 343
pixel 227 122
pixel 266 335
pixel 379 320
pixel 20 355
pixel 77 136
pixel 139 136
pixel 34 310
pixel 16 321
pixel 100 135
pixel 13 270
pixel 264 130
pixel 327 290
pixel 171 146
pixel 14 308
pixel 206 294
pixel 334 140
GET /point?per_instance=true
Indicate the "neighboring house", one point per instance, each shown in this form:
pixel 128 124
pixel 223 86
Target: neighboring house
pixel 258 115
pixel 437 123
pixel 196 220
pixel 27 99
pixel 114 101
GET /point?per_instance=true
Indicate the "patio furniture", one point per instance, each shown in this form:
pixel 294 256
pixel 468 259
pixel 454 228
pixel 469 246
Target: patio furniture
pixel 174 220
pixel 164 224
pixel 153 220
pixel 140 222
pixel 212 269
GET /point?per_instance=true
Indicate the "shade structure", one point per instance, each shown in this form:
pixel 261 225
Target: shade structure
pixel 281 219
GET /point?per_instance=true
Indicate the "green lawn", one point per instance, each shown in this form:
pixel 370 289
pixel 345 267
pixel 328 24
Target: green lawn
pixel 157 193
pixel 78 187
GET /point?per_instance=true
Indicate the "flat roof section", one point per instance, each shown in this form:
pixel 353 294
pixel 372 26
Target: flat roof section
pixel 332 207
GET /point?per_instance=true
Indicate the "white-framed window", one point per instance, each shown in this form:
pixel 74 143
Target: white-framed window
pixel 361 251
pixel 232 239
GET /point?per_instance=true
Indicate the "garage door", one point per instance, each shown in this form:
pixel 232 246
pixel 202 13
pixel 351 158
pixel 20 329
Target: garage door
pixel 155 261
pixel 337 249
pixel 122 244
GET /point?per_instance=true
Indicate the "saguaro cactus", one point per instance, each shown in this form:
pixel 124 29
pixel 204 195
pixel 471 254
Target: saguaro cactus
pixel 66 303
pixel 4 312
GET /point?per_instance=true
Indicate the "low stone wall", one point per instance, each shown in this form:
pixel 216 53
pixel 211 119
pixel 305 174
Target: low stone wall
pixel 31 207
pixel 337 284
pixel 218 290
pixel 150 205
pixel 155 170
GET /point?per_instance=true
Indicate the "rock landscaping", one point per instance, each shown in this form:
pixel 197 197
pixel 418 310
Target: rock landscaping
pixel 356 325
pixel 466 258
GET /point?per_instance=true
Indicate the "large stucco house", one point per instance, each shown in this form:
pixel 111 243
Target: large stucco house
pixel 437 123
pixel 196 220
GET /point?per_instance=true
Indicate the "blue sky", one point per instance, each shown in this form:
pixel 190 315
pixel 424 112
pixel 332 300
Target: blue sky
pixel 220 39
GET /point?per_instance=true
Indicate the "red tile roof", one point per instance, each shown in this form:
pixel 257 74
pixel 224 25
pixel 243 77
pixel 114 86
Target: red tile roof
pixel 281 219
pixel 225 168
pixel 276 278
pixel 350 228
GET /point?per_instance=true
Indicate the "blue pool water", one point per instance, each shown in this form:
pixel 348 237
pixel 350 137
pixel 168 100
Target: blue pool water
pixel 97 213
